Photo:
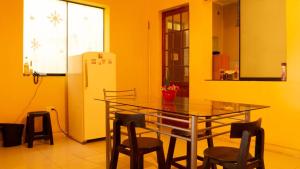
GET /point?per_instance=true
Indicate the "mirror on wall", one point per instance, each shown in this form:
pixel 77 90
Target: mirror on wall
pixel 248 42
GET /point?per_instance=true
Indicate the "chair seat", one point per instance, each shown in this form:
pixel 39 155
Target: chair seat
pixel 224 154
pixel 145 143
pixel 185 133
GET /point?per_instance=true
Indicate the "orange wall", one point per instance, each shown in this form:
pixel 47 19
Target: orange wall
pixel 281 121
pixel 16 90
pixel 128 39
pixel 133 45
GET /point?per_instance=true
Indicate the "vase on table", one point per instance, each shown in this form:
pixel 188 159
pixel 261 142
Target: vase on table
pixel 169 95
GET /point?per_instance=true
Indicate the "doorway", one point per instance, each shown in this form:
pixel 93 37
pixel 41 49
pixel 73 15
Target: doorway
pixel 175 49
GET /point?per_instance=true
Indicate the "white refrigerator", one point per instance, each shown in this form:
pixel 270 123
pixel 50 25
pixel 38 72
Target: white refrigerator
pixel 87 75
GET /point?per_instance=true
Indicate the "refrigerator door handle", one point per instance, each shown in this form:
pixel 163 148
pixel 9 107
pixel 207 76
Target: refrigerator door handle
pixel 86 74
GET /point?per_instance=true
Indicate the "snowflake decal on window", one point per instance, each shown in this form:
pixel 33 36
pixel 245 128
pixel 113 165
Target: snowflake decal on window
pixel 31 17
pixel 55 18
pixel 35 44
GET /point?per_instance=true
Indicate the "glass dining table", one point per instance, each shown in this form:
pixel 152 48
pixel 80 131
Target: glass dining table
pixel 209 116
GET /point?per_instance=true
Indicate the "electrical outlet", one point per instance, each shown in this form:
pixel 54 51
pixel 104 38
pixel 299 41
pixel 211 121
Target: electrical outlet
pixel 50 108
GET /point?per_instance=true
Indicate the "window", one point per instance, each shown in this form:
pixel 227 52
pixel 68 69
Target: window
pixel 55 29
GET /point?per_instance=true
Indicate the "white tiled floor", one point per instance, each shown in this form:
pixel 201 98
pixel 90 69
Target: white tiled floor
pixel 68 154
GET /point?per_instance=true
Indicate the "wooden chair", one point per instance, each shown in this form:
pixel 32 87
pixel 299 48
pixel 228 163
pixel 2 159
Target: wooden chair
pixel 128 94
pixel 135 147
pixel 239 158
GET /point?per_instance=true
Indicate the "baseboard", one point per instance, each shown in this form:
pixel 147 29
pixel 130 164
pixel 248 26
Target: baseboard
pixel 274 148
pixel 283 150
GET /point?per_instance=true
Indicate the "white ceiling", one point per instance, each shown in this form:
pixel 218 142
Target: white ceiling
pixel 224 2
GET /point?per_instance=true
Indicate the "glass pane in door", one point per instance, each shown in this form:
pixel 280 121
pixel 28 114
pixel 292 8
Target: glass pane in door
pixel 185 20
pixel 168 23
pixel 176 22
pixel 186 39
pixel 186 58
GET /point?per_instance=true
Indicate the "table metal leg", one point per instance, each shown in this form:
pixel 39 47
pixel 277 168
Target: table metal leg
pixel 159 120
pixel 108 138
pixel 194 138
pixel 247 116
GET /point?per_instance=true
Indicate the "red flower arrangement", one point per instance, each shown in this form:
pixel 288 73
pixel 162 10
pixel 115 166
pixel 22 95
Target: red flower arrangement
pixel 169 92
pixel 170 87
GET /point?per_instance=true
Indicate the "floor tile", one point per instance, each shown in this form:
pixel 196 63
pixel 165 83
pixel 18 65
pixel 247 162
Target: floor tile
pixel 68 154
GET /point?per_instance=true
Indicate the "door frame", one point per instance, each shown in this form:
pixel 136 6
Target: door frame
pixel 165 14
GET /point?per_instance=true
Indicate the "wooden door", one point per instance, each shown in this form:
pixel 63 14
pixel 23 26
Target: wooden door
pixel 175 49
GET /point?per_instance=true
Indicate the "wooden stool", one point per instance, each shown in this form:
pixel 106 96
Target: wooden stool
pixel 46 133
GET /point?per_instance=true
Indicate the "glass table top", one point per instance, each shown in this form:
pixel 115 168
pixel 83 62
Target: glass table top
pixel 203 108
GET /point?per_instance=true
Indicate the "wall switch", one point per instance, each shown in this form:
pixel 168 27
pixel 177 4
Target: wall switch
pixel 50 108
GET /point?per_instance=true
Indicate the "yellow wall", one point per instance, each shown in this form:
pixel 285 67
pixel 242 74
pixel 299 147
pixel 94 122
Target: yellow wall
pixel 16 90
pixel 132 43
pixel 128 39
pixel 281 121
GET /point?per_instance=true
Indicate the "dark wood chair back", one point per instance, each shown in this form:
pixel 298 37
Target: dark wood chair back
pixel 130 121
pixel 246 131
pixel 125 119
pixel 237 129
